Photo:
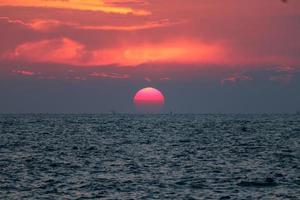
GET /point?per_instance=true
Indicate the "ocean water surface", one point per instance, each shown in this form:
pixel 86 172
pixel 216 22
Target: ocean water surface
pixel 149 156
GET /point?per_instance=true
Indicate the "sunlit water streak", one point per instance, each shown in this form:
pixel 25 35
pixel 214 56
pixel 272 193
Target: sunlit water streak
pixel 149 156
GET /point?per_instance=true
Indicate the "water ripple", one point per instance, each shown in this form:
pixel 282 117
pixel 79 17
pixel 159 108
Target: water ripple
pixel 149 157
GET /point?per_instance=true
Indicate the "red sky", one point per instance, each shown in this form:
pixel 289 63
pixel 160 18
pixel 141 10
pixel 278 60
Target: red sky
pixel 95 32
pixel 153 40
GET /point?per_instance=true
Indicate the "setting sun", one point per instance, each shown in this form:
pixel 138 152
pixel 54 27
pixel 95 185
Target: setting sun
pixel 149 100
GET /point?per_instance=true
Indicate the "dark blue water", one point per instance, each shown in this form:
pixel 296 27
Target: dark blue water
pixel 149 157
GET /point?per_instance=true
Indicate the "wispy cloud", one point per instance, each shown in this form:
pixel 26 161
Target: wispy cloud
pixel 147 25
pixel 85 5
pixel 287 69
pixel 283 74
pixel 165 79
pixel 24 72
pixel 147 79
pixel 48 25
pixel 109 75
pixel 284 78
pixel 233 79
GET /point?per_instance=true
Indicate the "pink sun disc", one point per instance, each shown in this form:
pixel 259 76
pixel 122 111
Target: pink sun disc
pixel 149 100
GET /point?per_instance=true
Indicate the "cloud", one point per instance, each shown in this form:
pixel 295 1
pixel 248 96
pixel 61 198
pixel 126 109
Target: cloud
pixel 11 21
pixel 233 79
pixel 287 69
pixel 148 79
pixel 284 78
pixel 109 75
pixel 147 25
pixel 57 50
pixel 46 25
pixel 34 74
pixel 68 51
pixel 78 78
pixel 84 5
pixel 165 79
pixel 52 25
pixel 283 74
pixel 24 72
pixel 35 24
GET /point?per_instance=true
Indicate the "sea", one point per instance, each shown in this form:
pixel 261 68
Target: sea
pixel 127 156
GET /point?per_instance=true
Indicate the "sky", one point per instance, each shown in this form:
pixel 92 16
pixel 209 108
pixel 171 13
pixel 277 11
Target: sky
pixel 205 56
